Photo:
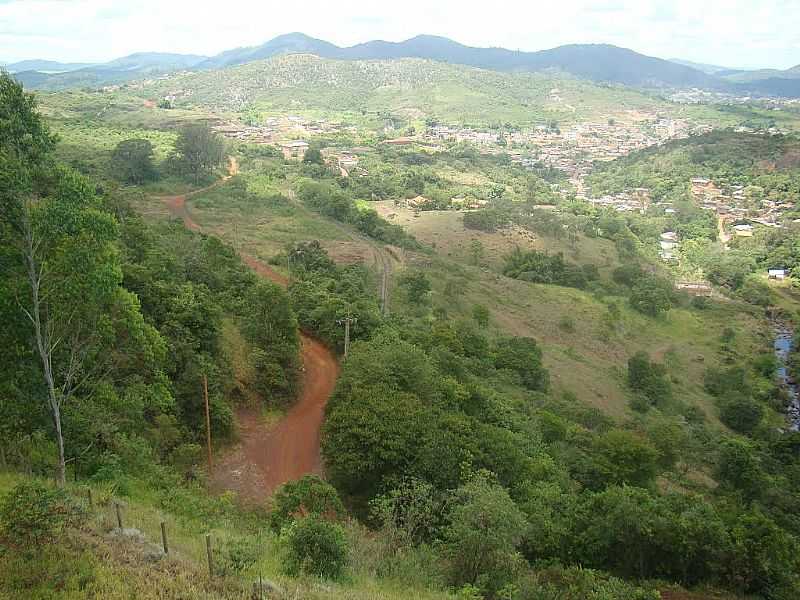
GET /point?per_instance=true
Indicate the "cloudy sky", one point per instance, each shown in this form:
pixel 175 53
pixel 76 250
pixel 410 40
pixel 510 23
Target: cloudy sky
pixel 735 33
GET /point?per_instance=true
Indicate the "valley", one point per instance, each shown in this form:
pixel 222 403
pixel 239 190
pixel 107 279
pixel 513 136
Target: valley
pixel 471 328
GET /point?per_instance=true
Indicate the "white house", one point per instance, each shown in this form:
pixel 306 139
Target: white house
pixel 777 273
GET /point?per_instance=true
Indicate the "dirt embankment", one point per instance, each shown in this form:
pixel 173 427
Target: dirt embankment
pixel 268 456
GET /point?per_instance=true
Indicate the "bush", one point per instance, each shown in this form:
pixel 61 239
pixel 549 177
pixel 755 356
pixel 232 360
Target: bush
pixel 651 296
pixel 33 515
pixel 742 414
pixel 238 555
pixel 316 547
pixel 649 379
pixel 308 496
pixel 485 530
pixel 523 356
pixel 567 324
pixel 755 291
pixel 575 583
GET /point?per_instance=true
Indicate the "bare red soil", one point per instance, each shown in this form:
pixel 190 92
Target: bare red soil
pixel 267 457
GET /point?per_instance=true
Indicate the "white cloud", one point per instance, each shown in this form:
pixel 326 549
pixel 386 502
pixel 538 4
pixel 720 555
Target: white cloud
pixel 729 32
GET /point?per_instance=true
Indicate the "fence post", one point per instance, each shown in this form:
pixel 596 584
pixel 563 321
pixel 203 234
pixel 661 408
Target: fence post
pixel 208 553
pixel 119 514
pixel 164 537
pixel 89 498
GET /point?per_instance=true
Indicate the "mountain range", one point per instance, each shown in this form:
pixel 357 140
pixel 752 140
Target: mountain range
pixel 602 63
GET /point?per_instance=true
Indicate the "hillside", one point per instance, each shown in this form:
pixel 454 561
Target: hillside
pixel 601 63
pixel 414 88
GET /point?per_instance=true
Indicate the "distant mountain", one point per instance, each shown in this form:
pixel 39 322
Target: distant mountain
pixel 705 68
pixel 45 66
pixel 120 70
pixel 291 43
pixel 597 62
pixel 601 63
pixel 155 60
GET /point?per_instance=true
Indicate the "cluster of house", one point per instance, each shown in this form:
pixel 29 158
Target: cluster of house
pixel 572 150
pixel 635 200
pixel 275 128
pixel 732 206
pixel 575 149
pixel 699 96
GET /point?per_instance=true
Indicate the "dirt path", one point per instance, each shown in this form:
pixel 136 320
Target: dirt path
pixel 267 457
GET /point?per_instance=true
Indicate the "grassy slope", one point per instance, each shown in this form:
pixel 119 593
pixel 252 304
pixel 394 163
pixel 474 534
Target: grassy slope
pixel 589 361
pixel 90 565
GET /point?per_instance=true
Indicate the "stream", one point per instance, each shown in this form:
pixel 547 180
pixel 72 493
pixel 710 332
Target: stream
pixel 783 347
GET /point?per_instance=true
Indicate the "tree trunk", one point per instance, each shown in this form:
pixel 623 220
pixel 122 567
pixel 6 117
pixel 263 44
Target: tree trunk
pixel 61 467
pixel 43 346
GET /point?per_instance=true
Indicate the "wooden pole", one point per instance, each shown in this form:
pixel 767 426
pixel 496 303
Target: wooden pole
pixel 89 498
pixel 208 553
pixel 119 514
pixel 346 336
pixel 164 537
pixel 208 423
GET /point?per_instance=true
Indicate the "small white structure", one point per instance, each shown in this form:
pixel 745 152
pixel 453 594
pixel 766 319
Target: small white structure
pixel 777 273
pixel 743 230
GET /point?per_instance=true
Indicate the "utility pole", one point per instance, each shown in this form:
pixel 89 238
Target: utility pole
pixel 208 422
pixel 347 321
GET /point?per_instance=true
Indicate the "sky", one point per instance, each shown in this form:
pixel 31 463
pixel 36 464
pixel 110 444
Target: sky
pixel 732 33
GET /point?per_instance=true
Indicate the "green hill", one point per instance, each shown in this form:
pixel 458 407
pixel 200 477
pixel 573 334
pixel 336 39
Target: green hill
pixel 415 88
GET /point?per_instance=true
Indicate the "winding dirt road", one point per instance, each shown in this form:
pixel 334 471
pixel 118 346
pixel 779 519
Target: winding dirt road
pixel 268 456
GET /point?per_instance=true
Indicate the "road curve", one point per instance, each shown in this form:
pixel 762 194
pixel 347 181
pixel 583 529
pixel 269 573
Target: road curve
pixel 268 456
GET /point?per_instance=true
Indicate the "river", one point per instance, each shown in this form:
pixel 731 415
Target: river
pixel 783 347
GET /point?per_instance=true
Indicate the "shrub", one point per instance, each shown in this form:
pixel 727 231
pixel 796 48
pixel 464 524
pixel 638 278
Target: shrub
pixel 742 414
pixel 316 547
pixel 558 583
pixel 238 555
pixel 307 496
pixel 651 296
pixel 648 378
pixel 33 515
pixel 567 324
pixel 523 356
pixel 755 291
pixel 481 541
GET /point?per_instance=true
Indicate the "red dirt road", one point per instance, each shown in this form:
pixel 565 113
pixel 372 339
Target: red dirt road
pixel 267 457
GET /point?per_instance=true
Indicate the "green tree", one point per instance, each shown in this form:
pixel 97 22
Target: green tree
pixel 739 469
pixel 651 296
pixel 484 533
pixel 61 262
pixel 623 457
pixel 199 150
pixel 313 156
pixel 316 547
pixel 523 356
pixel 132 161
pixel 309 495
pixel 481 315
pixel 417 286
pixel 740 413
pixel 648 378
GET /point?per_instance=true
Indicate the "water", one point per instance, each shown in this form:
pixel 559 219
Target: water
pixel 783 346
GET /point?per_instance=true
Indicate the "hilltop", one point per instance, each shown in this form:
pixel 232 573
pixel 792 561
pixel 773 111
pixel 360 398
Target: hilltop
pixel 601 63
